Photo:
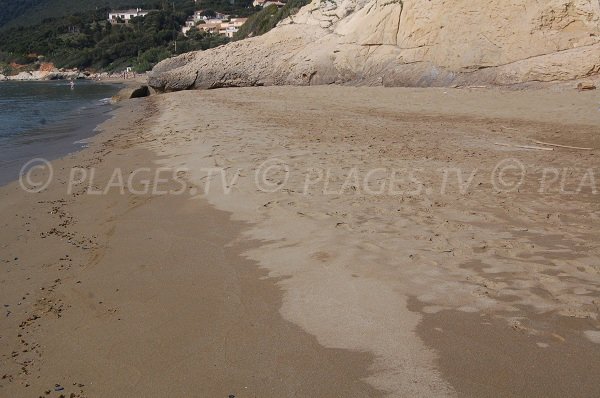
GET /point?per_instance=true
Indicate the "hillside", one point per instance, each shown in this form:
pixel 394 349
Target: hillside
pixel 30 12
pixel 405 43
pixel 86 40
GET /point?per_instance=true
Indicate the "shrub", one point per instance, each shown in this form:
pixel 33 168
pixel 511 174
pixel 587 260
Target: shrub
pixel 266 19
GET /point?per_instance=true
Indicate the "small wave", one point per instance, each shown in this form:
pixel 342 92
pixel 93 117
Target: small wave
pixel 104 101
pixel 84 141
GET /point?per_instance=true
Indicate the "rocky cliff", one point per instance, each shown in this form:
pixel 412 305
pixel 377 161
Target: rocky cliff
pixel 404 43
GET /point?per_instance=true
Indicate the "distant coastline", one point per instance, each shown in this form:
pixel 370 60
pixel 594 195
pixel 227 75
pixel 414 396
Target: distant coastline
pixel 71 75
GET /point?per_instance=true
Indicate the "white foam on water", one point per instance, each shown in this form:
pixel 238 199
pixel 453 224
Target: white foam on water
pixel 84 143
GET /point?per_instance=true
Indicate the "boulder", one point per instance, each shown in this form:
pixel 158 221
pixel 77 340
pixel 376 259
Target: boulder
pixel 131 92
pixel 40 75
pixel 22 76
pixel 586 86
pixel 404 43
pixel 142 91
pixel 55 76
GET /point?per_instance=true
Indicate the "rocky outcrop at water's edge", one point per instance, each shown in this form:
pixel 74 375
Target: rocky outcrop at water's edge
pixel 404 43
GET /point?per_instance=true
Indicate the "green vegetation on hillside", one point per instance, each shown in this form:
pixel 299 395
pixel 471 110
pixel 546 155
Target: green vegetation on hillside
pixel 237 8
pixel 14 13
pixel 13 9
pixel 88 40
pixel 29 12
pixel 76 33
pixel 266 19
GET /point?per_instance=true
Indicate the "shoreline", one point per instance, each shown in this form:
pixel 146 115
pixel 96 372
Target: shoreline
pixel 355 293
pixel 104 311
pixel 58 138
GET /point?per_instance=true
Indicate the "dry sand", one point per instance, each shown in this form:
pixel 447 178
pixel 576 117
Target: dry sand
pixel 434 287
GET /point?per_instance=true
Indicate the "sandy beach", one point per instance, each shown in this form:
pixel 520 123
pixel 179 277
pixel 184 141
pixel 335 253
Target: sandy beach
pixel 313 242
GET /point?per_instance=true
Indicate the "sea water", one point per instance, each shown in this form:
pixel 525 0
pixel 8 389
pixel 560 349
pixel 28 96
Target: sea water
pixel 48 120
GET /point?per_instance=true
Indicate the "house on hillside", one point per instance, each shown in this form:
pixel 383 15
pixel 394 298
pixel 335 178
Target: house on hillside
pixel 124 16
pixel 200 16
pixel 231 27
pixel 223 28
pixel 210 27
pixel 214 22
pixel 189 24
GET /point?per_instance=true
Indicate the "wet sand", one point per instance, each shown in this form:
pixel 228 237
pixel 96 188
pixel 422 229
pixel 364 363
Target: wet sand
pixel 259 285
pixel 482 357
pixel 143 295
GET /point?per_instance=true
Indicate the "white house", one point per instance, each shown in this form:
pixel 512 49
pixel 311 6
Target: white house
pixel 124 16
pixel 199 17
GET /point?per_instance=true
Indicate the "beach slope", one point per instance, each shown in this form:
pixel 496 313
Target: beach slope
pixel 312 241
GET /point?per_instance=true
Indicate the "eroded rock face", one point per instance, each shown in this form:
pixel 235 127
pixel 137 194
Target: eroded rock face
pixel 404 43
pixel 46 75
